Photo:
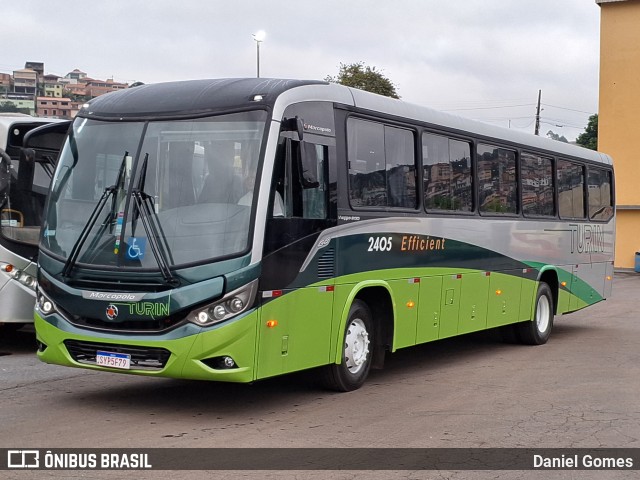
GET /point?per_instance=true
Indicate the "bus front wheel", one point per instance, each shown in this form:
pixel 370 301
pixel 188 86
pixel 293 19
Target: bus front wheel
pixel 538 330
pixel 351 372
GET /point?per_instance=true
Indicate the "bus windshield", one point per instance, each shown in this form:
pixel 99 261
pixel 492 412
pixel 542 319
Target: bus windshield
pixel 154 194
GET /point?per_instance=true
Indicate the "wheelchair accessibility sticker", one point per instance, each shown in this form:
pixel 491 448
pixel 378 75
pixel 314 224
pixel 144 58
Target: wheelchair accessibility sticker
pixel 136 248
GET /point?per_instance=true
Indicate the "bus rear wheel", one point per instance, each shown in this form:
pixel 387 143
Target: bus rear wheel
pixel 351 373
pixel 538 330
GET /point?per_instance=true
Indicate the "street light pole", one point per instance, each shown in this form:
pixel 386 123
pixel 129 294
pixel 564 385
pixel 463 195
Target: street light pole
pixel 259 38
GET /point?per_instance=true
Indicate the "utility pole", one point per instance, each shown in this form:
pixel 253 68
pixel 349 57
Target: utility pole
pixel 537 132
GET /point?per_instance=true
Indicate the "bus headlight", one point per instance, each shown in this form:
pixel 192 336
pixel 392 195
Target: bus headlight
pixel 44 305
pixel 227 307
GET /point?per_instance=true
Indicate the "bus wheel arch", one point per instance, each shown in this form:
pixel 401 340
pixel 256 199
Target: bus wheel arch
pixel 550 277
pixel 379 301
pixel 365 334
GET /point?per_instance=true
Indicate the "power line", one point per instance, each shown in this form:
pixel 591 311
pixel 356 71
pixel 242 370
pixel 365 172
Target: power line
pixel 565 108
pixel 488 108
pixel 484 119
pixel 561 124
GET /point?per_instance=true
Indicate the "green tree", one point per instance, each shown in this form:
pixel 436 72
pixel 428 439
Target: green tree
pixel 554 136
pixel 589 139
pixel 10 107
pixel 364 77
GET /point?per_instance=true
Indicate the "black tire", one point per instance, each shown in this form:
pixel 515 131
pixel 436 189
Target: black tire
pixel 508 334
pixel 537 330
pixel 11 327
pixel 358 340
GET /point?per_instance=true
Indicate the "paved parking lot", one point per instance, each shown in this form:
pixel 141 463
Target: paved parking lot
pixel 580 390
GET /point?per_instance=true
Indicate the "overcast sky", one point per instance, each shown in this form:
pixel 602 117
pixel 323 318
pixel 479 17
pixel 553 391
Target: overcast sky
pixel 482 59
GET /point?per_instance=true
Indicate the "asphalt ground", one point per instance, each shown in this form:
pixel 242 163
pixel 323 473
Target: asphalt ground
pixel 580 390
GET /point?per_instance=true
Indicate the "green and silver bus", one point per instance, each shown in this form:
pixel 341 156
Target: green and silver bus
pixel 25 174
pixel 238 229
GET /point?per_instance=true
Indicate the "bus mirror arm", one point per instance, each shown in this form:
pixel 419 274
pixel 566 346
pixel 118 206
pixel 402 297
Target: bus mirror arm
pixel 293 125
pixel 5 176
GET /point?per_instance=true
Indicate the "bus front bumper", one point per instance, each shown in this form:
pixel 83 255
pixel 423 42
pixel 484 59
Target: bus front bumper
pixel 188 352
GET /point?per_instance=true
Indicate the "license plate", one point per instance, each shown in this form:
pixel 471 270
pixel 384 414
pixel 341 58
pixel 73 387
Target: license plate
pixel 113 360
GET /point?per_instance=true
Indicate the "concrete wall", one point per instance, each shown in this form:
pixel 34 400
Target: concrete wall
pixel 619 117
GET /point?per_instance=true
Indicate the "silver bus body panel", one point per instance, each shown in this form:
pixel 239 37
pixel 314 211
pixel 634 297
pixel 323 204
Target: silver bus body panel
pixel 16 300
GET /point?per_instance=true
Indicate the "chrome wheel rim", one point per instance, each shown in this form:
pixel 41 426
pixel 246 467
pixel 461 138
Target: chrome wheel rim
pixel 356 346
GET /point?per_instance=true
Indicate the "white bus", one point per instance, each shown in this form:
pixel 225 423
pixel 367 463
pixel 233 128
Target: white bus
pixel 24 180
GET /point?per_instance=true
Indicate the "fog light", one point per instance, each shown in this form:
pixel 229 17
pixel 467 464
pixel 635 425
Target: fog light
pixel 224 362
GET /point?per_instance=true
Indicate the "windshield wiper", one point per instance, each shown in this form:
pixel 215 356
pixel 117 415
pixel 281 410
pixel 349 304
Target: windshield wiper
pixel 155 234
pixel 108 192
pixel 144 208
pixel 142 176
pixel 75 251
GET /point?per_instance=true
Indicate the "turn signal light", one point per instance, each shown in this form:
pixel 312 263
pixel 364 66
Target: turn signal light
pixel 272 323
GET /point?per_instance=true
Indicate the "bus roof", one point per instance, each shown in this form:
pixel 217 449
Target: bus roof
pixel 193 97
pixel 188 97
pixel 397 108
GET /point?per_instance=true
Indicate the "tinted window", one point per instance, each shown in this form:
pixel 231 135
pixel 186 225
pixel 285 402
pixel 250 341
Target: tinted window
pixel 537 185
pixel 447 174
pixel 570 189
pixel 381 165
pixel 497 182
pixel 600 201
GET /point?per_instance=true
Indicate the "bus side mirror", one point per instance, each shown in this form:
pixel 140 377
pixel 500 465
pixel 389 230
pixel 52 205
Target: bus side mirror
pixel 293 125
pixel 5 176
pixel 308 165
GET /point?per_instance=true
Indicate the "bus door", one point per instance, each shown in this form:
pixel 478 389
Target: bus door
pixel 295 327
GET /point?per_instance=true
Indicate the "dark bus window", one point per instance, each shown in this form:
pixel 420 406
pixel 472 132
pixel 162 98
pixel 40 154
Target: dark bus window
pixel 600 200
pixel 382 168
pixel 537 185
pixel 497 182
pixel 401 167
pixel 570 190
pixel 447 174
pixel 314 200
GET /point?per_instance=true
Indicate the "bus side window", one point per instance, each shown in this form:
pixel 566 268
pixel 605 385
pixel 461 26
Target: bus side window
pixel 314 195
pixel 599 191
pixel 301 198
pixel 570 189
